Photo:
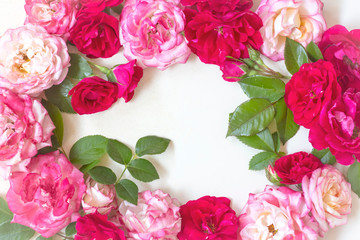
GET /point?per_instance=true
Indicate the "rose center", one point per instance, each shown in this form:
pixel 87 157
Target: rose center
pixel 272 230
pixel 208 226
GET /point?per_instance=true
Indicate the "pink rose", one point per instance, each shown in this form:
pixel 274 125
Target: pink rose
pixel 93 94
pixel 128 76
pixel 329 196
pixel 25 127
pixel 96 6
pixel 277 213
pixel 57 17
pixel 95 226
pixel 292 168
pixel 341 48
pixel 300 20
pixel 45 195
pixel 99 197
pixel 96 34
pixel 310 89
pixel 151 32
pixel 231 70
pixel 32 60
pixel 219 6
pixel 213 38
pixel 208 218
pixel 156 216
pixel 338 128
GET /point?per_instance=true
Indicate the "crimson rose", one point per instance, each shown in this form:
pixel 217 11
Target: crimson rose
pixel 219 6
pixel 208 218
pixel 92 95
pixel 313 86
pixel 292 168
pixel 96 35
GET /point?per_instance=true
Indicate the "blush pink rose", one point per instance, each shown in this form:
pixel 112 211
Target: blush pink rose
pixel 57 17
pixel 338 128
pixel 208 218
pixel 341 48
pixel 99 197
pixel 329 195
pixel 96 6
pixel 277 213
pixel 156 216
pixel 45 195
pixel 96 34
pixel 128 76
pixel 300 20
pixel 151 32
pixel 32 60
pixel 25 127
pixel 310 89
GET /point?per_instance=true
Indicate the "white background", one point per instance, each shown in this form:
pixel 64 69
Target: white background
pixel 190 104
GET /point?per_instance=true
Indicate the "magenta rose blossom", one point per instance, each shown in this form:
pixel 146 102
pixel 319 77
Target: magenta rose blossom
pixel 212 38
pixel 95 226
pixel 219 6
pixel 341 48
pixel 329 195
pixel 92 95
pixel 151 32
pixel 208 218
pixel 128 76
pixel 338 128
pixel 277 213
pixel 45 195
pixel 310 89
pixel 231 70
pixel 97 6
pixel 156 216
pixel 57 17
pixel 25 127
pixel 96 34
pixel 32 60
pixel 292 168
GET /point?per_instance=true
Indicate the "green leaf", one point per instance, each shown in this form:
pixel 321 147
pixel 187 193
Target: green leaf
pixel 88 149
pixel 15 231
pixel 295 55
pixel 70 229
pixel 151 145
pixel 261 160
pixel 262 140
pixel 5 214
pixel 314 52
pixel 127 190
pixel 57 119
pixel 250 117
pixel 46 150
pixel 111 77
pixel 42 238
pixel 119 152
pixel 59 96
pixel 103 175
pixel 79 68
pixel 88 167
pixel 117 8
pixel 143 170
pixel 277 141
pixel 324 155
pixel 286 126
pixel 269 88
pixel 353 177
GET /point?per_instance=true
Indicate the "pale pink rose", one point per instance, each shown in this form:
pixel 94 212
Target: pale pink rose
pixel 277 213
pixel 25 127
pixel 32 60
pixel 99 197
pixel 46 194
pixel 155 217
pixel 151 32
pixel 57 17
pixel 300 20
pixel 329 195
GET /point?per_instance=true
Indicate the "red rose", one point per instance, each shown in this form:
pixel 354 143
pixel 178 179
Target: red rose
pixel 208 218
pixel 96 35
pixel 93 94
pixel 313 86
pixel 219 6
pixel 231 70
pixel 213 38
pixel 292 168
pixel 128 75
pixel 97 6
pixel 341 48
pixel 95 226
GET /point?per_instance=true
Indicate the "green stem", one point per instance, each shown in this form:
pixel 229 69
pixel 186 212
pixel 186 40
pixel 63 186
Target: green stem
pixel 62 149
pixel 122 174
pixel 65 237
